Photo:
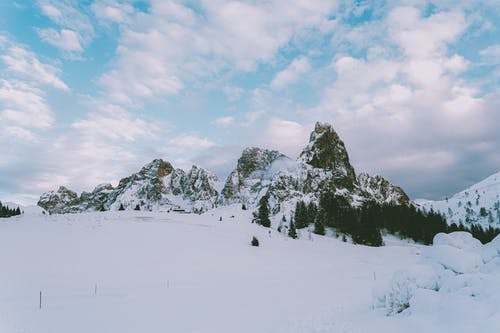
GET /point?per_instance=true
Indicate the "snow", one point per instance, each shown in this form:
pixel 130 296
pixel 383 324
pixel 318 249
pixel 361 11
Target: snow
pixel 465 207
pixel 135 271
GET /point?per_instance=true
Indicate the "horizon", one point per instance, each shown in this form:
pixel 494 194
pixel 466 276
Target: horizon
pixel 90 92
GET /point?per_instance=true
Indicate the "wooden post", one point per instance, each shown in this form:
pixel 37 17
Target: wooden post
pixel 95 289
pixel 40 302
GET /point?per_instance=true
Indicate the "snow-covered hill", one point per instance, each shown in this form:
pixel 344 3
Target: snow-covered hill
pixel 323 165
pixel 478 204
pixel 138 271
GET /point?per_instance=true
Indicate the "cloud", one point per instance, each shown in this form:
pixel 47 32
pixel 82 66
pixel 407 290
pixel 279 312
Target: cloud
pixel 291 74
pixel 75 28
pixel 24 105
pixel 112 11
pixel 20 61
pixel 491 54
pixel 114 123
pixel 190 142
pixel 286 136
pixel 67 40
pixel 217 36
pixel 224 121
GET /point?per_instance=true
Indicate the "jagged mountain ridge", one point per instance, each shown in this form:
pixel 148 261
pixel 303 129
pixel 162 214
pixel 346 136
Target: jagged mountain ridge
pixel 323 165
pixel 158 185
pixel 477 204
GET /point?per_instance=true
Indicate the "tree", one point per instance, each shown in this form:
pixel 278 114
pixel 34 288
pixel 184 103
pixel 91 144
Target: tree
pixel 301 220
pixel 292 232
pixel 319 228
pixel 255 241
pixel 121 207
pixel 262 216
pixel 137 207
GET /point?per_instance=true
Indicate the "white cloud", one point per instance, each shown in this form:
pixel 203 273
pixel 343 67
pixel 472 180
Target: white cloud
pixel 24 105
pixel 286 136
pixel 224 121
pixel 76 30
pixel 65 39
pixel 52 12
pixel 18 132
pixel 491 54
pixel 22 62
pixel 110 10
pixel 114 123
pixel 191 141
pixel 220 35
pixel 292 73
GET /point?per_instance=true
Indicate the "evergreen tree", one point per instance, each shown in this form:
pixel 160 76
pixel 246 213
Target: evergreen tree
pixel 137 207
pixel 301 215
pixel 319 228
pixel 262 216
pixel 292 232
pixel 121 207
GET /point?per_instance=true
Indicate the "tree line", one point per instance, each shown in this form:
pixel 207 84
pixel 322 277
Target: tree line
pixel 8 212
pixel 364 223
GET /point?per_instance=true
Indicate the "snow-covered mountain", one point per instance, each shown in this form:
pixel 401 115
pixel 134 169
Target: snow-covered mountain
pixel 158 185
pixel 478 204
pixel 322 165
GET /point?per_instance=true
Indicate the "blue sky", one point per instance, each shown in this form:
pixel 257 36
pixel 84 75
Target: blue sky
pixel 92 90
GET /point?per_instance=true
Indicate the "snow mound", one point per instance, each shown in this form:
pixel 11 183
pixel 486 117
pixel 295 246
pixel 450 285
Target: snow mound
pixel 460 240
pixel 457 278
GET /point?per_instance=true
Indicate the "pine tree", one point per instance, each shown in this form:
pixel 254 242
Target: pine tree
pixel 262 216
pixel 301 218
pixel 319 228
pixel 292 232
pixel 121 207
pixel 137 207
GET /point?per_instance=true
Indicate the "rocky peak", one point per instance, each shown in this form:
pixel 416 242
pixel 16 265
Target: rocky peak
pixel 56 201
pixel 254 158
pixel 327 151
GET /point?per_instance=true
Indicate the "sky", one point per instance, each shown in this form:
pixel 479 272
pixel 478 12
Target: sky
pixel 90 91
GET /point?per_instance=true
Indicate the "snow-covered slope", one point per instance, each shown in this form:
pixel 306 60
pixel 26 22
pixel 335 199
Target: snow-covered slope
pixel 138 271
pixel 478 204
pixel 156 186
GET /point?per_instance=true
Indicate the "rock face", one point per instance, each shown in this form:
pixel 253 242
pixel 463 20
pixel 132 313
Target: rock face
pixel 59 201
pixel 327 152
pixel 254 172
pixel 156 186
pixel 323 165
pixel 381 190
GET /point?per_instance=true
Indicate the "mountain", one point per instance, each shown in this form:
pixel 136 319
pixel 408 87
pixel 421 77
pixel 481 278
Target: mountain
pixel 322 165
pixel 158 185
pixel 478 204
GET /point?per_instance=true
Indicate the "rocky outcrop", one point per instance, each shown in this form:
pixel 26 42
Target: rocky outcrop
pixel 381 190
pixel 61 201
